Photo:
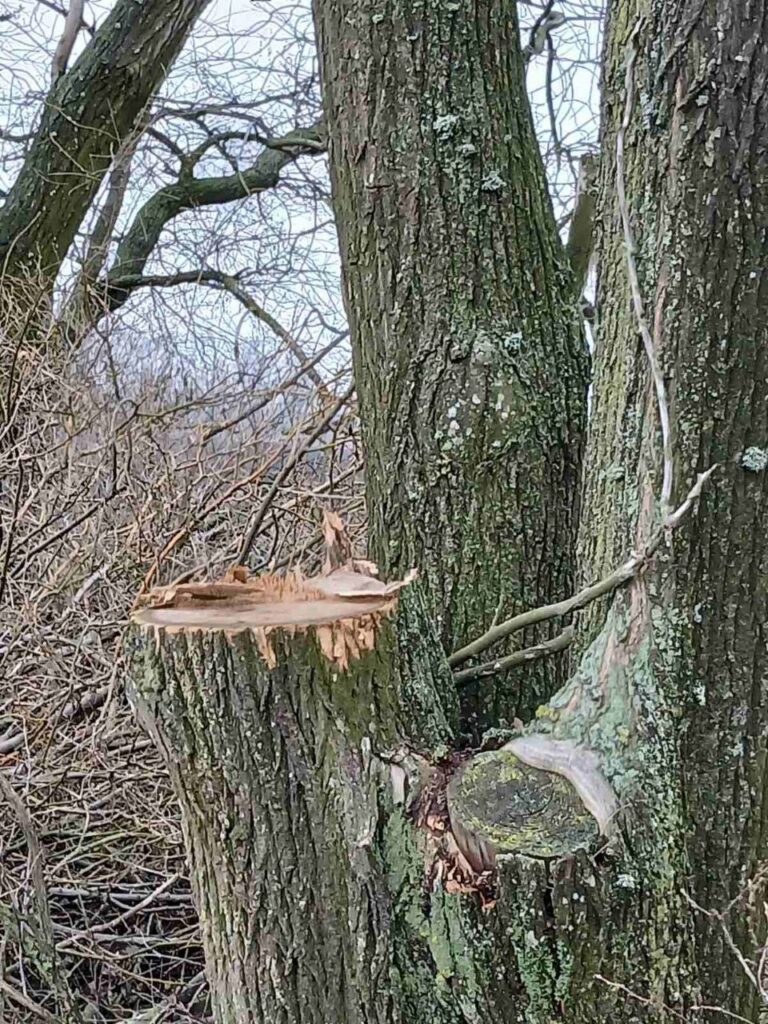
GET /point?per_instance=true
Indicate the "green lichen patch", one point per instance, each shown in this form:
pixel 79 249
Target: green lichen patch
pixel 518 809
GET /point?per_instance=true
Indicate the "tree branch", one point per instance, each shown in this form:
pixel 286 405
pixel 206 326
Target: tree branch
pixel 189 193
pixel 78 307
pixel 230 283
pixel 233 286
pixel 517 658
pixel 606 585
pixel 72 23
pixel 88 114
pixel 253 530
pixel 547 20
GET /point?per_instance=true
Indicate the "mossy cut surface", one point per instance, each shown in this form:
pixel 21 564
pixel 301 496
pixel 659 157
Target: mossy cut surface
pixel 519 809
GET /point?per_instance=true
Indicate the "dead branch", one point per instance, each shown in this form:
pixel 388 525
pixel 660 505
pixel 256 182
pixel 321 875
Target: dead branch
pixel 517 658
pixel 629 570
pixel 72 22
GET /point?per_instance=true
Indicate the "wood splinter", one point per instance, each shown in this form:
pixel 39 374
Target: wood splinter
pixel 343 605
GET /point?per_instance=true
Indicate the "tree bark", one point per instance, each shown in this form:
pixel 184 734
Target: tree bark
pixel 696 179
pixel 89 112
pixel 671 692
pixel 661 730
pixel 468 354
pixel 319 898
pixel 280 802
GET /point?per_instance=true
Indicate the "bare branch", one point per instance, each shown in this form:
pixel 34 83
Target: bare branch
pixel 547 20
pixel 606 585
pixel 287 469
pixel 29 1004
pixel 189 193
pixel 517 658
pixel 72 23
pixel 634 282
pixel 231 284
pixel 101 235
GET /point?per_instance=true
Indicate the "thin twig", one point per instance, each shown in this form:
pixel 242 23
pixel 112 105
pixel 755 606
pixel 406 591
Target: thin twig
pixel 517 658
pixel 28 1004
pixel 645 1001
pixel 108 926
pixel 716 915
pixel 634 283
pixel 253 529
pixel 258 406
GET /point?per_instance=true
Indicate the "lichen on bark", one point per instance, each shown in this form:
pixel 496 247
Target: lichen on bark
pixel 469 359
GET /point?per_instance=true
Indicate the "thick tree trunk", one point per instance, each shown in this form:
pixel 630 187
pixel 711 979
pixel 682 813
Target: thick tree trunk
pixel 280 798
pixel 661 730
pixel 319 897
pixel 697 185
pixel 469 360
pixel 672 691
pixel 90 110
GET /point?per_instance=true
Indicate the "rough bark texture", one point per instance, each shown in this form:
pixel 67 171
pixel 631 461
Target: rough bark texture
pixel 89 112
pixel 316 894
pixel 670 693
pixel 280 809
pixel 469 360
pixel 697 181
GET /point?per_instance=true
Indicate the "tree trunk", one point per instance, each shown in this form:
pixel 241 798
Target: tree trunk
pixel 280 802
pixel 660 732
pixel 697 185
pixel 469 360
pixel 89 112
pixel 319 897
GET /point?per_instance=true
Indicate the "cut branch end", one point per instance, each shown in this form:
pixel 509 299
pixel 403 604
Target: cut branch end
pixel 343 607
